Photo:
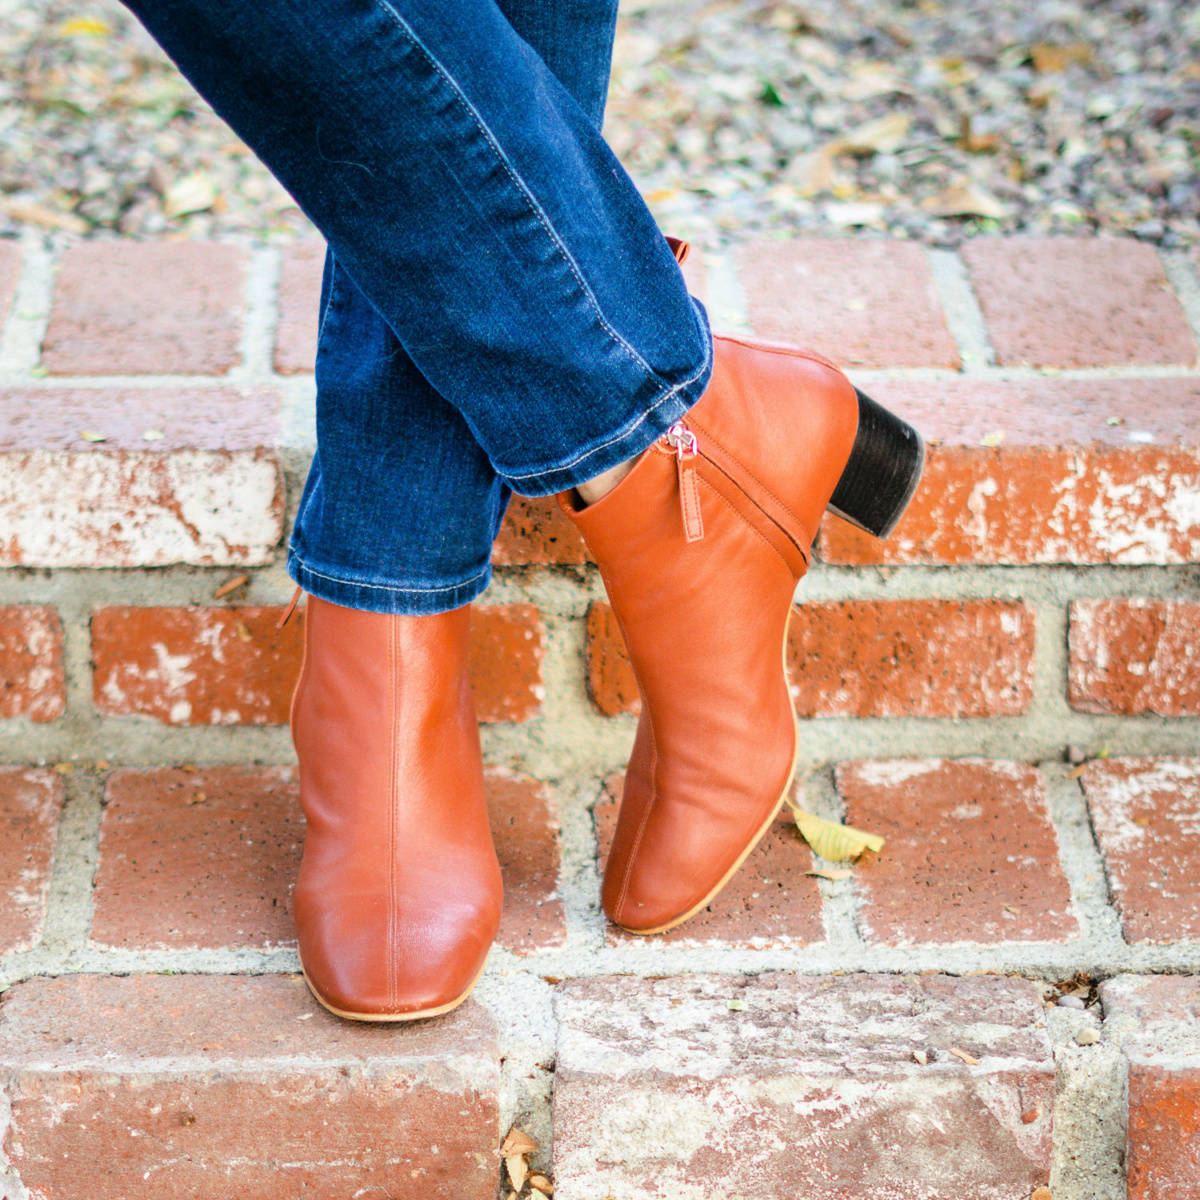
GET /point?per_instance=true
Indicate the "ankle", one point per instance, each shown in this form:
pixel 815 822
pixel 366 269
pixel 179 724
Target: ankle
pixel 600 485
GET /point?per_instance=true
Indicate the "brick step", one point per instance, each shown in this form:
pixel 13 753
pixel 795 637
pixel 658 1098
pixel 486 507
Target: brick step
pixel 976 855
pixel 864 1087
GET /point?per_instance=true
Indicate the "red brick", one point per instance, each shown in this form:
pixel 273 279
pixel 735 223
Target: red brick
pixel 508 644
pixel 863 303
pixel 10 268
pixel 1146 814
pixel 927 658
pixel 918 658
pixel 208 491
pixel 32 683
pixel 1135 656
pixel 1064 485
pixel 612 683
pixel 970 854
pixel 1158 1017
pixel 208 859
pixel 149 308
pixel 211 1086
pixel 777 1085
pixel 198 859
pixel 770 902
pixel 195 666
pixel 526 835
pixel 299 300
pixel 537 533
pixel 1077 302
pixel 30 803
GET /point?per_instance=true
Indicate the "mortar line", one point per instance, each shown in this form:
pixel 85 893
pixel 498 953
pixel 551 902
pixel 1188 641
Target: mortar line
pixel 25 329
pixel 260 309
pixel 726 298
pixel 76 855
pixel 960 308
pixel 1182 277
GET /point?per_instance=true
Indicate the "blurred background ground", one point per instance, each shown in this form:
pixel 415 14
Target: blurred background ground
pixel 929 119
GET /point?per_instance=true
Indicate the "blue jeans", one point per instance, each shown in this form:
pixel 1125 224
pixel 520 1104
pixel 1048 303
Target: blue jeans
pixel 499 311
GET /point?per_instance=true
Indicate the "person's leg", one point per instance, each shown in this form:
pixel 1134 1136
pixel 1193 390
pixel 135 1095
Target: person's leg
pixel 388 442
pixel 476 207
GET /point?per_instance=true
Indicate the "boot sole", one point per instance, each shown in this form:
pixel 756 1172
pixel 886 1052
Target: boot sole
pixel 883 470
pixel 390 1018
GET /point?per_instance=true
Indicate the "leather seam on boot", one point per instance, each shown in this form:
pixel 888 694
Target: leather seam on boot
pixel 748 524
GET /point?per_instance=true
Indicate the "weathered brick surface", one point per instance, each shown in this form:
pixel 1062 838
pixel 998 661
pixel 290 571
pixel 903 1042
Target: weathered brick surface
pixel 10 267
pixel 30 803
pixel 32 683
pixel 232 666
pixel 508 644
pixel 1135 656
pixel 769 902
pixel 1063 484
pixel 971 854
pixel 1077 302
pixel 204 488
pixel 195 666
pixel 777 1085
pixel 299 300
pixel 920 658
pixel 198 859
pixel 525 831
pixel 1146 813
pixel 536 533
pixel 861 303
pixel 201 859
pixel 1159 1022
pixel 869 658
pixel 612 683
pixel 150 308
pixel 214 1086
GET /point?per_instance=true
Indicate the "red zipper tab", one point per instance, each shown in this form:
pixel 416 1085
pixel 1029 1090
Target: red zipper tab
pixel 683 440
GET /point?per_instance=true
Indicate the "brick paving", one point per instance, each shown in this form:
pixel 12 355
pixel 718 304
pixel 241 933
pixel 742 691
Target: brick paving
pixel 1035 609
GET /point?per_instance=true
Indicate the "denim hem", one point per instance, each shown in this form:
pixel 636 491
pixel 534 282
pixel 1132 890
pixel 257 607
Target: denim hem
pixel 394 598
pixel 637 435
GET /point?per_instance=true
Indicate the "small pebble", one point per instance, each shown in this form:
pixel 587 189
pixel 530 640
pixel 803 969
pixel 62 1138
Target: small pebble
pixel 1070 1002
pixel 1087 1037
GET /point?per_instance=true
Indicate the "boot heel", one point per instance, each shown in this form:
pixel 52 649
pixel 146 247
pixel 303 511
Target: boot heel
pixel 883 470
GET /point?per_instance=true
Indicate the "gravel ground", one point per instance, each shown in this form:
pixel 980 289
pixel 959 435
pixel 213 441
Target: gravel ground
pixel 926 119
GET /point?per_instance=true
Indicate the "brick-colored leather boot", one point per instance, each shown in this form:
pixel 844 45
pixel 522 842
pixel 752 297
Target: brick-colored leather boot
pixel 399 893
pixel 701 547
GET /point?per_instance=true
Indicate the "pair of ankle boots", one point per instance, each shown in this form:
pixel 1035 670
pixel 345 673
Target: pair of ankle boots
pixel 700 547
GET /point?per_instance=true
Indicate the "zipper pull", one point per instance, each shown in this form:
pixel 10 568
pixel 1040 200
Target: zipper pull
pixel 686 448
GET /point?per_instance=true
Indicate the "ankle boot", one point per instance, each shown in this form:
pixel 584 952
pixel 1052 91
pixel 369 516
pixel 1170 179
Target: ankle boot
pixel 399 894
pixel 700 547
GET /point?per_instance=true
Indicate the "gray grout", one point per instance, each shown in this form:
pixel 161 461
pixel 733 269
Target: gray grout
pixel 961 310
pixel 25 329
pixel 261 316
pixel 1181 274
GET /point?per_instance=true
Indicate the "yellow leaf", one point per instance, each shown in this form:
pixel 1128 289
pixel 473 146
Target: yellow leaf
pixel 90 25
pixel 964 201
pixel 837 843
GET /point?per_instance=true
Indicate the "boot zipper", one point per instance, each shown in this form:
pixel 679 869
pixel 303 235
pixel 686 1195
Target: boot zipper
pixel 683 441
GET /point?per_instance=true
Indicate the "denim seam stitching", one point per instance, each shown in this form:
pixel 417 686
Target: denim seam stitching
pixel 328 303
pixel 667 395
pixel 522 186
pixel 384 587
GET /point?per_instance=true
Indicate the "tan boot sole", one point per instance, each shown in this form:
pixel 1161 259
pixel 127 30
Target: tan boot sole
pixel 392 1018
pixel 758 837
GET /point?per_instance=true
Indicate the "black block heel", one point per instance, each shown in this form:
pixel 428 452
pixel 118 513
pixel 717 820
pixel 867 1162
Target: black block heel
pixel 883 470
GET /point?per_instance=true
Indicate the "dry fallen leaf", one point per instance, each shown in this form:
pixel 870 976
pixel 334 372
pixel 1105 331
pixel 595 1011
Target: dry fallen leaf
pixel 38 214
pixel 921 1057
pixel 514 1150
pixel 518 1170
pixel 812 173
pixel 540 1183
pixel 231 586
pixel 243 632
pixel 192 193
pixel 1028 1118
pixel 829 840
pixel 969 1059
pixel 882 134
pixel 964 201
pixel 196 798
pixel 90 435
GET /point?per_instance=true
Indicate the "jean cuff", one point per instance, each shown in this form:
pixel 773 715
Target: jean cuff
pixel 671 404
pixel 395 598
